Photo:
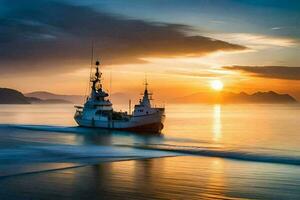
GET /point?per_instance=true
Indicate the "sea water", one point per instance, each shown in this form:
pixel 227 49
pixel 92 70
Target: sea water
pixel 238 151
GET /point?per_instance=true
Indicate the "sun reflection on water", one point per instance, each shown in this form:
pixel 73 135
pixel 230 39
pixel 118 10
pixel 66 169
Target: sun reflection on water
pixel 217 123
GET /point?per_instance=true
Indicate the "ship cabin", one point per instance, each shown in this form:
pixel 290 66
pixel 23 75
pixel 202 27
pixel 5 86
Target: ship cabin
pixel 144 106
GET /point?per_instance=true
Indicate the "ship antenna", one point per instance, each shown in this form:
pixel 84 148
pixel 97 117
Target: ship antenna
pixel 87 90
pixel 146 82
pixel 92 59
pixel 110 83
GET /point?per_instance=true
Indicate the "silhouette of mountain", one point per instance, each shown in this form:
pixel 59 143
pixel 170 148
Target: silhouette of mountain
pixel 51 96
pixel 116 98
pixel 35 100
pixel 10 96
pixel 242 97
pixel 260 97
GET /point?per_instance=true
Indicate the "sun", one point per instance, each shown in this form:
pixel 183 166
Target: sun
pixel 217 85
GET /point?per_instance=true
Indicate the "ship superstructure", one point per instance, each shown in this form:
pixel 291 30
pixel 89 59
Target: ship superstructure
pixel 98 111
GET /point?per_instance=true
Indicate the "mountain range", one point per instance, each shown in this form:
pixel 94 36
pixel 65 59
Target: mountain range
pixel 46 96
pixel 242 97
pixel 10 96
pixel 117 98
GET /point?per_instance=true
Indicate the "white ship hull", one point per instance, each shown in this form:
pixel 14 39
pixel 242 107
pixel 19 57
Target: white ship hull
pixel 144 123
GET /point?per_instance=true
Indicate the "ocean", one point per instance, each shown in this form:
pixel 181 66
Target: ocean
pixel 206 151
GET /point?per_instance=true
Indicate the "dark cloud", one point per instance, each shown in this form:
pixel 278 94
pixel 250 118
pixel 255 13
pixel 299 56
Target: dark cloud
pixel 277 72
pixel 39 34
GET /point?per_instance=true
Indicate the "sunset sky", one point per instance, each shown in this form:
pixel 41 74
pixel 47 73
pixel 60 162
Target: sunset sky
pixel 249 45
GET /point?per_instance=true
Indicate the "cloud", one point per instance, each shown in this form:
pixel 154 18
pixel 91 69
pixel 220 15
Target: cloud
pixel 198 74
pixel 257 41
pixel 275 72
pixel 40 35
pixel 276 28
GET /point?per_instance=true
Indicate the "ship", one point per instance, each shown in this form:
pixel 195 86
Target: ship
pixel 98 112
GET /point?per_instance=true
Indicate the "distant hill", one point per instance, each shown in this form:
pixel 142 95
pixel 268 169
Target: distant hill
pixel 230 97
pixel 260 97
pixel 10 96
pixel 35 100
pixel 116 98
pixel 51 96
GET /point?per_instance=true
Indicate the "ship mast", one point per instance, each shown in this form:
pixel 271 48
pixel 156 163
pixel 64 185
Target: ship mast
pixel 97 78
pixel 146 93
pixel 97 92
pixel 146 96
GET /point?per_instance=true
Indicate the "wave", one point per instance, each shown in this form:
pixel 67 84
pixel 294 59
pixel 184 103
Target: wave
pixel 50 128
pixel 242 153
pixel 84 130
pixel 222 153
pixel 72 153
pixel 38 158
